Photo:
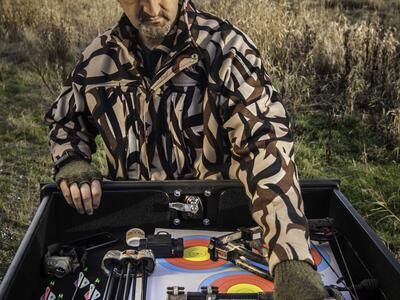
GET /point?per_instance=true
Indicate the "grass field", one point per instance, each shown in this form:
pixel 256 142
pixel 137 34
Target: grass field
pixel 337 64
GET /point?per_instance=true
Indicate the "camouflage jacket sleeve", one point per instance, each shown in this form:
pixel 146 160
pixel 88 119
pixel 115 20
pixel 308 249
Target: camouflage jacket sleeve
pixel 258 128
pixel 70 123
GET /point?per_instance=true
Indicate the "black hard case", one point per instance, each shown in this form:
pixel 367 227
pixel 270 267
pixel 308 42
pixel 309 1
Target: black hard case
pixel 145 204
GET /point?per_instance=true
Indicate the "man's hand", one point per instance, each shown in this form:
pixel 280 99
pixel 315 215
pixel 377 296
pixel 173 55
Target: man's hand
pixel 85 198
pixel 297 280
pixel 80 184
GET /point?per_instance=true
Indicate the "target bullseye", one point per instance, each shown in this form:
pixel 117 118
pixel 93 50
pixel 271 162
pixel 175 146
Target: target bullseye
pixel 238 282
pixel 195 257
pixel 196 253
pixel 243 288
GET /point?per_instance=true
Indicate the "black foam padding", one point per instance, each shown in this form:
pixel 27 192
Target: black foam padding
pixel 92 271
pixel 233 208
pixel 117 212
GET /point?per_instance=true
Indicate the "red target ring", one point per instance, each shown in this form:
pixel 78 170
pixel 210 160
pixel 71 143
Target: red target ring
pixel 316 256
pixel 196 257
pixel 238 282
pixel 321 257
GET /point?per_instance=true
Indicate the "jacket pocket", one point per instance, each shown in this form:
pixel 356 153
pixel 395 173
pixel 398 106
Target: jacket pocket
pixel 113 108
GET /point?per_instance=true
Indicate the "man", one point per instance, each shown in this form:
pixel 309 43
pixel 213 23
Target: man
pixel 177 93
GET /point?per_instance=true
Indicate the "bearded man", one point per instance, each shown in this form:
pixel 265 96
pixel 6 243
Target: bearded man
pixel 176 93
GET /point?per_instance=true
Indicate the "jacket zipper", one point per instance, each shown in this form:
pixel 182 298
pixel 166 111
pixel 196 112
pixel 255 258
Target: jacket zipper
pixel 151 87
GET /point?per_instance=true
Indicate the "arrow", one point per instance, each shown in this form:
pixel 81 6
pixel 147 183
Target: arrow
pixel 52 296
pixel 93 293
pixel 46 294
pixel 80 283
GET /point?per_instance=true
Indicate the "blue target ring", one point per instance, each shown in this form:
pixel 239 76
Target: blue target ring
pixel 321 257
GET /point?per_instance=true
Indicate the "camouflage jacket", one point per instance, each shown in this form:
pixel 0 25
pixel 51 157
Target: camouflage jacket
pixel 210 112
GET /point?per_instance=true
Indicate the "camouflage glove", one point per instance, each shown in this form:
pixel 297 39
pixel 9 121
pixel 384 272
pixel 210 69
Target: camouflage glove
pixel 79 171
pixel 297 280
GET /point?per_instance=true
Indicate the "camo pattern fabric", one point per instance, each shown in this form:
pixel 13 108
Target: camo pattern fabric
pixel 210 112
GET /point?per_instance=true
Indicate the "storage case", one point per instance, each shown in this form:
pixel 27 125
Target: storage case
pixel 146 205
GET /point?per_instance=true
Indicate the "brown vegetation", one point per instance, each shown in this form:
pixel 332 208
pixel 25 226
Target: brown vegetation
pixel 336 63
pixel 319 58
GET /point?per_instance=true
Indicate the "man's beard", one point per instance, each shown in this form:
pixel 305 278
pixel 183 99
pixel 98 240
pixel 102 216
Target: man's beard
pixel 154 33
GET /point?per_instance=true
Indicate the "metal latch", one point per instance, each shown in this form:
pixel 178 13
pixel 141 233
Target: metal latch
pixel 192 206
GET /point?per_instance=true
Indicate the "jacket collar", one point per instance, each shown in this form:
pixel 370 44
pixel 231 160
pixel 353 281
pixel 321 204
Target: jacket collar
pixel 178 39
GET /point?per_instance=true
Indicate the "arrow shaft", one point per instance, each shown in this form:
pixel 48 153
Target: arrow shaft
pixel 127 281
pixel 108 288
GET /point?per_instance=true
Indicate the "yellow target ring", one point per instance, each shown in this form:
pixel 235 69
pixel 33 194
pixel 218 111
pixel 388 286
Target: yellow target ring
pixel 196 253
pixel 244 288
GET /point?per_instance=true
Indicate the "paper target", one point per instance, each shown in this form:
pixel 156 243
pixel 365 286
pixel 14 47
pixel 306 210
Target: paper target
pixel 238 282
pixel 196 258
pixel 321 262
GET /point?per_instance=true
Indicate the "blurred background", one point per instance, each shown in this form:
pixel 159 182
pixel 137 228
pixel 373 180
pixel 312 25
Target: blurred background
pixel 336 63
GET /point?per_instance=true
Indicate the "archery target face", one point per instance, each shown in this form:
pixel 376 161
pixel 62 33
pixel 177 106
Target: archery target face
pixel 192 271
pixel 195 257
pixel 238 282
pixel 321 257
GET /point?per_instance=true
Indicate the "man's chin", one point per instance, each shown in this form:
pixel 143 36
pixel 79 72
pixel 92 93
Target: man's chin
pixel 154 32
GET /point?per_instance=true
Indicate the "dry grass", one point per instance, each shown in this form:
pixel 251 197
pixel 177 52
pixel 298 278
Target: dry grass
pixel 364 4
pixel 317 56
pixel 50 35
pixel 322 57
pixel 332 60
